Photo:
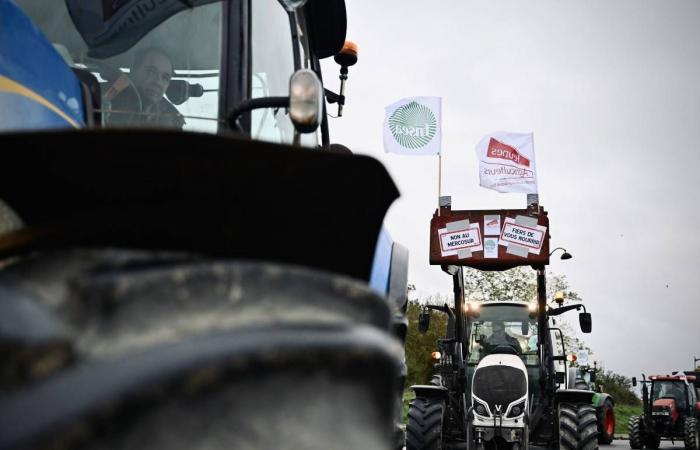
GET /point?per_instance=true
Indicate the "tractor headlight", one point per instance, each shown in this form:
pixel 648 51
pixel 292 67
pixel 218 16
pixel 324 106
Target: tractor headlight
pixel 516 410
pixel 480 408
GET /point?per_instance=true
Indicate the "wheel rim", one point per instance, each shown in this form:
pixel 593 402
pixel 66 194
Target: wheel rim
pixel 609 422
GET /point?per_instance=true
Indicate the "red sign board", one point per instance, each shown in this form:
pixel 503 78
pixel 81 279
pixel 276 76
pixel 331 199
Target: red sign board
pixel 490 239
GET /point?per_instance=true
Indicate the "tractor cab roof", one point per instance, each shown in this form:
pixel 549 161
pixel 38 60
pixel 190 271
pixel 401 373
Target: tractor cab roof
pixel 683 378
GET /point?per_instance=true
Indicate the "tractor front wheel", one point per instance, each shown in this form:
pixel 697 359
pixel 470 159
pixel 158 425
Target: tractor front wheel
pixel 425 420
pixel 691 433
pixel 606 423
pixel 578 427
pixel 634 428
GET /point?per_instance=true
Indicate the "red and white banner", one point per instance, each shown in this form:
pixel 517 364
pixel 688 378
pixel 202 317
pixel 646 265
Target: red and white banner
pixel 507 162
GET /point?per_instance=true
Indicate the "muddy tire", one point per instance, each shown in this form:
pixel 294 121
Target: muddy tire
pixel 578 428
pixel 164 351
pixel 425 421
pixel 606 423
pixel 691 433
pixel 635 431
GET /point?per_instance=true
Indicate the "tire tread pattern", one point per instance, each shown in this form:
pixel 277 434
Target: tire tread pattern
pixel 424 428
pixel 578 427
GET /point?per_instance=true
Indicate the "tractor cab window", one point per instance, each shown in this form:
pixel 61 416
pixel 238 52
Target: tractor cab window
pixel 165 75
pixel 504 328
pixel 670 389
pixel 272 65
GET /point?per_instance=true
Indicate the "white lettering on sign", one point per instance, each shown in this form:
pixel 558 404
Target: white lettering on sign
pixel 452 241
pixel 530 237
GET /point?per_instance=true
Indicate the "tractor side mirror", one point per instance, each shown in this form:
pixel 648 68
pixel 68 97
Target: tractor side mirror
pixel 592 376
pixel 634 381
pixel 525 327
pixel 424 321
pixel 586 322
pixel 480 338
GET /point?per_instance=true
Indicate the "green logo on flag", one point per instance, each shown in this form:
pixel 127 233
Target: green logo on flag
pixel 413 125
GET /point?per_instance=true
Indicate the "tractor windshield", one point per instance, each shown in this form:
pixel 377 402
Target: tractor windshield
pixel 670 389
pixel 159 63
pixel 501 327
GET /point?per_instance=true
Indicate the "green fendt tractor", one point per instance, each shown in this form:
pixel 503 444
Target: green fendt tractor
pixel 224 285
pixel 583 377
pixel 497 383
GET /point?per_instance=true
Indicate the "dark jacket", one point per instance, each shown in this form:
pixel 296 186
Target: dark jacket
pixel 124 110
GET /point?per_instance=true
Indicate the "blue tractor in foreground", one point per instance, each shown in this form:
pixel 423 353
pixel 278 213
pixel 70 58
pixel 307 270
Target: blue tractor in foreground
pixel 194 265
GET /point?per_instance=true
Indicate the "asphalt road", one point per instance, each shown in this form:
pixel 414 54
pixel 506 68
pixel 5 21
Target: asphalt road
pixel 626 445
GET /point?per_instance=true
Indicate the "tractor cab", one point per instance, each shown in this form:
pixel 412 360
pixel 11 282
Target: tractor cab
pixel 669 396
pixel 250 67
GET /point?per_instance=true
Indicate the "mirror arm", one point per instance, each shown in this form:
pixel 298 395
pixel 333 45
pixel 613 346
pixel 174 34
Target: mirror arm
pixel 332 97
pixel 563 309
pixel 254 103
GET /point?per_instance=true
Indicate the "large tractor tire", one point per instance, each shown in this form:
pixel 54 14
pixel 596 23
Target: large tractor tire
pixel 691 433
pixel 114 350
pixel 578 428
pixel 606 423
pixel 636 432
pixel 425 422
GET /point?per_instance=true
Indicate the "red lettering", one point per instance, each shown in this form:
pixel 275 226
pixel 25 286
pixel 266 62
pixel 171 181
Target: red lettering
pixel 498 149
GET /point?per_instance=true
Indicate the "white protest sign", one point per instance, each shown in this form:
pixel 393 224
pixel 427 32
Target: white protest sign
pixel 491 247
pixel 492 225
pixel 582 357
pixel 530 237
pixel 460 240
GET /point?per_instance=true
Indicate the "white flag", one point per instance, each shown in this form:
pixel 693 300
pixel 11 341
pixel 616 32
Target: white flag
pixel 507 162
pixel 412 126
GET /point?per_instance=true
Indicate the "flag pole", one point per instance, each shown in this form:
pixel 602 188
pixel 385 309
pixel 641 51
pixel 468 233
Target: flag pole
pixel 439 180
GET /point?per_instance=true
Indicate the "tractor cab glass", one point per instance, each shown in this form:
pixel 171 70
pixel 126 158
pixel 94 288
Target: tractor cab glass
pixel 504 329
pixel 670 390
pixel 161 66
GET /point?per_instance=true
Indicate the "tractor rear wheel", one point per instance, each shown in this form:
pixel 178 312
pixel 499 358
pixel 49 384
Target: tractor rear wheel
pixel 425 421
pixel 634 427
pixel 578 427
pixel 606 423
pixel 691 433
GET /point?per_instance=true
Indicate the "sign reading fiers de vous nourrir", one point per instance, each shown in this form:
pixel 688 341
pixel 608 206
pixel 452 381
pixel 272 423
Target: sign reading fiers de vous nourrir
pixel 486 239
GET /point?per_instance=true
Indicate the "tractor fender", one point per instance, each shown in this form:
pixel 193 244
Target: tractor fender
pixel 430 391
pixel 573 396
pixel 599 399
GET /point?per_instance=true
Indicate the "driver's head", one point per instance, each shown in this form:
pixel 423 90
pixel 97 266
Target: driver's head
pixel 151 74
pixel 498 327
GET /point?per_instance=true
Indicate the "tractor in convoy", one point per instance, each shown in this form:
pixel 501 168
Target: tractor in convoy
pixel 498 383
pixel 583 377
pixel 671 410
pixel 186 260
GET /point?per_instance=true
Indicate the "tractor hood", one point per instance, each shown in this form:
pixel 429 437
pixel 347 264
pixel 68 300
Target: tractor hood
pixel 210 195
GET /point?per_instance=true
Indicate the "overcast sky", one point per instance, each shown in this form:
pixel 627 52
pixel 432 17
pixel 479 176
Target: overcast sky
pixel 611 91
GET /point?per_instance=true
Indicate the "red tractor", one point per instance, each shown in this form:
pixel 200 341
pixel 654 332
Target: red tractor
pixel 671 411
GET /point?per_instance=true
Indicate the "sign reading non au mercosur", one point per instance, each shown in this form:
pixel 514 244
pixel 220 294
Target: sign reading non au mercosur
pixel 507 162
pixel 460 240
pixel 529 237
pixel 412 126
